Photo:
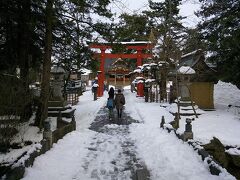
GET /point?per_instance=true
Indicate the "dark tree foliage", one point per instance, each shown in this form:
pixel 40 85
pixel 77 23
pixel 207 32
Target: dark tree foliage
pixel 74 27
pixel 221 30
pixel 164 18
pixel 22 32
pixel 32 32
pixel 68 26
pixel 132 28
pixel 20 39
pixel 193 41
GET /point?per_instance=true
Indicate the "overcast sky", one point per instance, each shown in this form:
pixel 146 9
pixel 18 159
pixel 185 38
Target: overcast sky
pixel 131 6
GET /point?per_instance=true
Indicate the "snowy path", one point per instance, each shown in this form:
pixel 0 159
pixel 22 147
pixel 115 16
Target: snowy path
pixel 111 151
pixel 114 152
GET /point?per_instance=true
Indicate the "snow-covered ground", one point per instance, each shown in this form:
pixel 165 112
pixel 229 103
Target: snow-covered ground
pixel 165 156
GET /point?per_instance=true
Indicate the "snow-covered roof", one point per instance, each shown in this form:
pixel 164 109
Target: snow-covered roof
pixel 186 70
pixel 145 65
pixel 57 69
pixel 139 77
pixel 172 60
pixel 140 81
pixel 150 80
pixel 137 71
pixel 192 58
pixel 137 42
pixel 153 64
pixel 191 53
pixel 85 71
pixel 162 62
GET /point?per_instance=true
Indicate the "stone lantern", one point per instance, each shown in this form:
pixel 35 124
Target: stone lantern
pixel 57 83
pixel 184 74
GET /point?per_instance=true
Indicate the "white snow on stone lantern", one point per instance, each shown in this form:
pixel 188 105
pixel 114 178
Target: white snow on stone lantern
pixel 57 82
pixel 184 75
pixel 186 70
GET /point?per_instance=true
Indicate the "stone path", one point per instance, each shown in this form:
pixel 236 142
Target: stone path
pixel 112 149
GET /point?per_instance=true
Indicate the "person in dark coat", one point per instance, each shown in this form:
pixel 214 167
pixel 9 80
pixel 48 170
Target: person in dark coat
pixel 111 93
pixel 119 102
pixel 110 102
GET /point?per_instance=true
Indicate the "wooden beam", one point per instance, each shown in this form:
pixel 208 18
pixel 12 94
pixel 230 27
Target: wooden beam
pixel 123 56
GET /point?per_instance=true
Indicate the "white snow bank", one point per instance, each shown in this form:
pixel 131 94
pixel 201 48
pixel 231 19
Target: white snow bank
pixel 225 94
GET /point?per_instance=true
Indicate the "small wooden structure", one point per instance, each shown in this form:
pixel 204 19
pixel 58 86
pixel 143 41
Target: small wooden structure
pixel 202 82
pixel 118 73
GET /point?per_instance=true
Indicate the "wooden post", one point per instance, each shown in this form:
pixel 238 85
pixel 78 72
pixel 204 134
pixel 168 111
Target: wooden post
pixel 101 74
pixel 139 57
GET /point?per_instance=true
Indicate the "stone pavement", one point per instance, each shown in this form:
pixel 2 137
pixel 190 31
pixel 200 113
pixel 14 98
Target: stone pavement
pixel 112 153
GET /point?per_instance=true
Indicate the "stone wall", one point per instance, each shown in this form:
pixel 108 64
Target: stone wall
pixel 214 166
pixel 15 173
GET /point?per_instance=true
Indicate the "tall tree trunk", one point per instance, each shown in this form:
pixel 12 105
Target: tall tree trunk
pixel 23 38
pixel 45 84
pixel 23 32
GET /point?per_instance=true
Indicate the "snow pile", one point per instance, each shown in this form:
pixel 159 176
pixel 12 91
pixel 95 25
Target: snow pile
pixel 233 151
pixel 21 161
pixel 226 94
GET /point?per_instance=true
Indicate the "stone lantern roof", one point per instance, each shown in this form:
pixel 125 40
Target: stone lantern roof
pixel 186 70
pixel 57 70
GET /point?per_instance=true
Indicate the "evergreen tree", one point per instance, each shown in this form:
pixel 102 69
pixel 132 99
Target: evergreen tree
pixel 193 41
pixel 164 18
pixel 45 84
pixel 20 41
pixel 221 31
pixel 68 26
pixel 32 32
pixel 132 28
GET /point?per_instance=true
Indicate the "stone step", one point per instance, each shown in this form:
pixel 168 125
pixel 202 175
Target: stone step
pixel 142 174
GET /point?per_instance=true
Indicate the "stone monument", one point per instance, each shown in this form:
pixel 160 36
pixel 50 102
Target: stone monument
pixel 57 82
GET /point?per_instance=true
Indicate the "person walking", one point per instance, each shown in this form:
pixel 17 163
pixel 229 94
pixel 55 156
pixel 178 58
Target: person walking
pixel 110 103
pixel 119 102
pixel 111 93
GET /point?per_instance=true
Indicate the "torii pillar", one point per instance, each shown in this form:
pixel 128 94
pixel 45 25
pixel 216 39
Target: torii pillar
pixel 101 73
pixel 139 57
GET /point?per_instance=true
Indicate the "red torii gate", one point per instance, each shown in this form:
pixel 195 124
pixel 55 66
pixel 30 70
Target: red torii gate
pixel 138 46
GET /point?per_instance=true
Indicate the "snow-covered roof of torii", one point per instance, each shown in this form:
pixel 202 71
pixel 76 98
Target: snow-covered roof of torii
pixel 108 45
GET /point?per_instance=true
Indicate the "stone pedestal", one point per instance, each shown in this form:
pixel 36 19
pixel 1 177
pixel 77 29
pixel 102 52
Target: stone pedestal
pixel 187 136
pixel 49 137
pixel 57 88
